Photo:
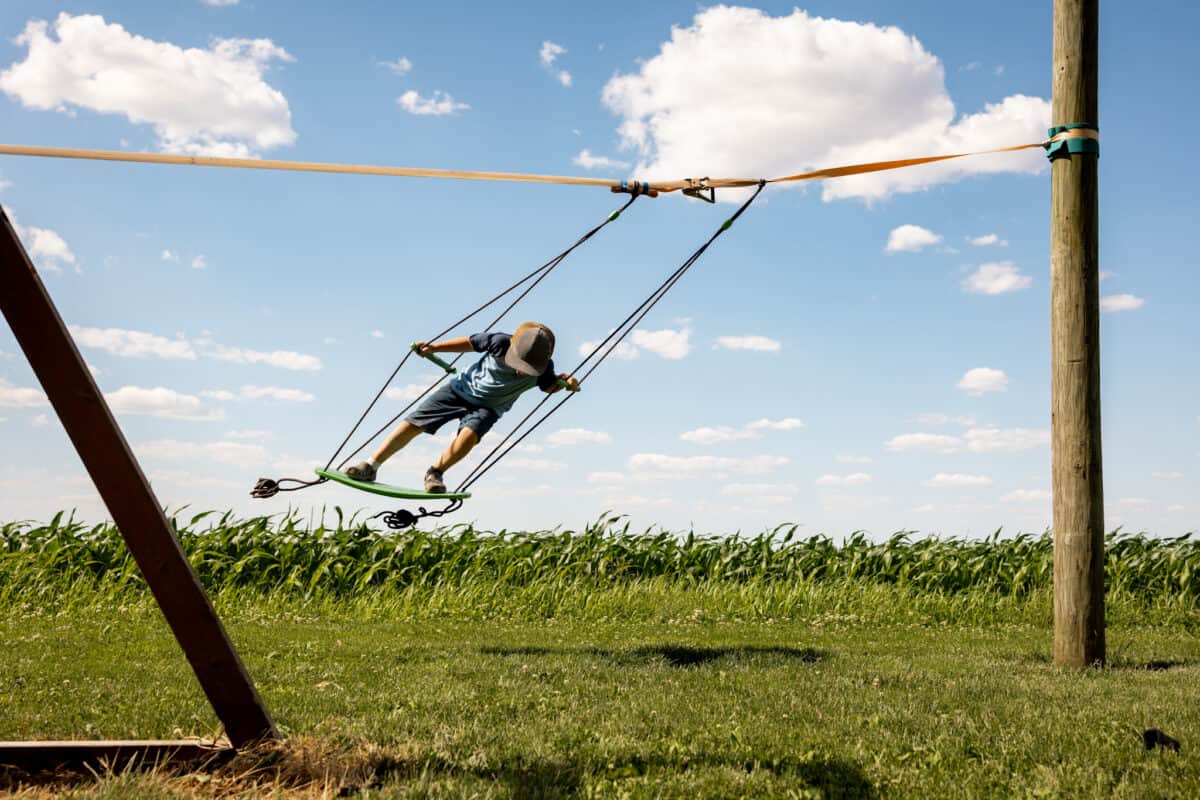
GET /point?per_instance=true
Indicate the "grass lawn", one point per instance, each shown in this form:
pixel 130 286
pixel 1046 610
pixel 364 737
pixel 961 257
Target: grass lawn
pixel 831 705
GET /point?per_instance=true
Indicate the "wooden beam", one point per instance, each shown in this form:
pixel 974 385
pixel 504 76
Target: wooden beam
pixel 1077 474
pixel 131 502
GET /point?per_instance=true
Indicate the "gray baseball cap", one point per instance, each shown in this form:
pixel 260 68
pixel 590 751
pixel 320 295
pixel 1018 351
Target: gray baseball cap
pixel 530 349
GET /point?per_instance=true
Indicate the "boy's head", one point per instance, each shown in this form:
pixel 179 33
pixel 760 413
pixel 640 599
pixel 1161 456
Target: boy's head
pixel 530 349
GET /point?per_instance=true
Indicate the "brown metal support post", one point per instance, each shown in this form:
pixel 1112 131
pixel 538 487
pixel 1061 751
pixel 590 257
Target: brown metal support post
pixel 114 470
pixel 1075 349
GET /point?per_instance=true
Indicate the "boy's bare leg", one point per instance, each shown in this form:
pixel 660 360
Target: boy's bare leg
pixel 405 432
pixel 457 450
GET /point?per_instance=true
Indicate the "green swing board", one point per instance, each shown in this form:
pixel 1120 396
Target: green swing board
pixel 389 491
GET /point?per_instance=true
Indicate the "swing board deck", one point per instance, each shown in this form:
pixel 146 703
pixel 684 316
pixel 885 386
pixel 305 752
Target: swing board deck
pixel 387 490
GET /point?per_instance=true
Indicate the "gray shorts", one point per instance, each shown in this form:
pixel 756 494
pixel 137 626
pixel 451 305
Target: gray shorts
pixel 444 405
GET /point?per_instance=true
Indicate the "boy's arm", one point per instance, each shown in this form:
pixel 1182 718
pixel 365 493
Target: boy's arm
pixel 461 344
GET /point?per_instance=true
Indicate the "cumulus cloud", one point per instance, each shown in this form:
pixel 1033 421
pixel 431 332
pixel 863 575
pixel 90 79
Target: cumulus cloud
pixel 237 453
pixel 837 92
pixel 957 480
pixel 46 248
pixel 938 418
pixel 981 380
pixel 934 442
pixel 605 477
pixel 751 430
pixel 573 436
pixel 1121 302
pixel 988 240
pixel 549 55
pixel 657 465
pixel 855 479
pixel 283 359
pixel 910 239
pixel 1005 440
pixel 20 397
pixel 251 392
pixel 132 344
pixel 667 343
pixel 199 262
pixel 401 66
pixel 214 101
pixel 406 393
pixel 160 402
pixel 586 160
pixel 1026 496
pixel 438 104
pixel 997 278
pixel 170 255
pixel 759 344
pixel 220 3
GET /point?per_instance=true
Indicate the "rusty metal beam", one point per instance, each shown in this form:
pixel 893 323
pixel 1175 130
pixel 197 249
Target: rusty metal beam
pixel 131 502
pixel 36 757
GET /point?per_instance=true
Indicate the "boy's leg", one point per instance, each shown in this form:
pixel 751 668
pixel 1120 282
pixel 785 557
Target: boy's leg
pixel 458 449
pixel 405 432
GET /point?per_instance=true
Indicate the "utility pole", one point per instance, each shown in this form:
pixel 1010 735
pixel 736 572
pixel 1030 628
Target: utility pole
pixel 1075 343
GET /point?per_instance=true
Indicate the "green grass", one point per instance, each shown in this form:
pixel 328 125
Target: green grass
pixel 680 669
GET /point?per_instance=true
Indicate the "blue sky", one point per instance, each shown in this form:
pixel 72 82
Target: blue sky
pixel 862 354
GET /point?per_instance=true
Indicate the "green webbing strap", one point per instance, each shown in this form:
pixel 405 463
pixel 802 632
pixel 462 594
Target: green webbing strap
pixel 1065 148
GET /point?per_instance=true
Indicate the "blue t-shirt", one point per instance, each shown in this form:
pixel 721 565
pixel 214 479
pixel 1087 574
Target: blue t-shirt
pixel 491 383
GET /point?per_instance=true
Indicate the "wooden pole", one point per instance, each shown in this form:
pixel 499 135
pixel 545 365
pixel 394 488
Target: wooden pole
pixel 1075 350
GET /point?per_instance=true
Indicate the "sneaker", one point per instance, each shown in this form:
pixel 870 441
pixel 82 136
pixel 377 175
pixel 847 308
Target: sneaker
pixel 433 481
pixel 362 471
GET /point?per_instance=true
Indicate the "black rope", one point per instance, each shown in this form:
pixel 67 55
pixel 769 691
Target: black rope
pixel 624 329
pixel 267 487
pixel 403 518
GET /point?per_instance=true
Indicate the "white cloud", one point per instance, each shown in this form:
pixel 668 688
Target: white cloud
pixel 943 419
pixel 848 459
pixel 788 424
pixel 721 433
pixel 40 421
pixel 573 436
pixel 206 102
pixel 563 77
pixel 283 359
pixel 221 395
pixel 376 334
pixel 5 184
pixel 586 160
pixel 925 509
pixel 760 489
pixel 408 392
pixel 251 392
pixel 20 397
pixel 199 262
pixel 1133 502
pixel 535 464
pixel 935 442
pixel 997 278
pixel 401 66
pixel 760 344
pixel 219 3
pixel 983 379
pixel 437 105
pixel 991 439
pixel 943 479
pixel 237 453
pixel 988 240
pixel 248 435
pixel 160 402
pixel 668 343
pixel 605 477
pixel 1167 476
pixel 550 53
pixel 657 465
pixel 910 239
pixel 169 255
pixel 1121 302
pixel 624 351
pixel 751 430
pixel 837 92
pixel 46 248
pixel 132 344
pixel 855 479
pixel 1025 496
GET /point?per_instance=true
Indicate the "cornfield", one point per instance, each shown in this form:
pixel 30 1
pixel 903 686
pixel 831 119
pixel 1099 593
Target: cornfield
pixel 348 559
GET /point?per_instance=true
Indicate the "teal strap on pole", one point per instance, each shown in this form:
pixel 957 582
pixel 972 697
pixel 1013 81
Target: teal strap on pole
pixel 1065 148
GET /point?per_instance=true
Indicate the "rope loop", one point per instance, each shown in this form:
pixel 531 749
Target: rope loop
pixel 402 518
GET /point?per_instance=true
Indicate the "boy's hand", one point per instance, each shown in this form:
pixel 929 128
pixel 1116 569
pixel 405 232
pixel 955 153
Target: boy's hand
pixel 567 382
pixel 423 348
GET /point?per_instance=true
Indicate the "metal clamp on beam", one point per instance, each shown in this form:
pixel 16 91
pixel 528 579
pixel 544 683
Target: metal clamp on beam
pixel 635 188
pixel 697 189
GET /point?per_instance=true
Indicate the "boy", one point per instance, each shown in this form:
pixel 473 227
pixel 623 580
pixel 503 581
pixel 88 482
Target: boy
pixel 477 396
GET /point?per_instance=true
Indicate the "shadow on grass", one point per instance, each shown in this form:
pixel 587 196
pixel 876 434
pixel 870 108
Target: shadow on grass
pixel 836 779
pixel 676 655
pixel 1156 666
